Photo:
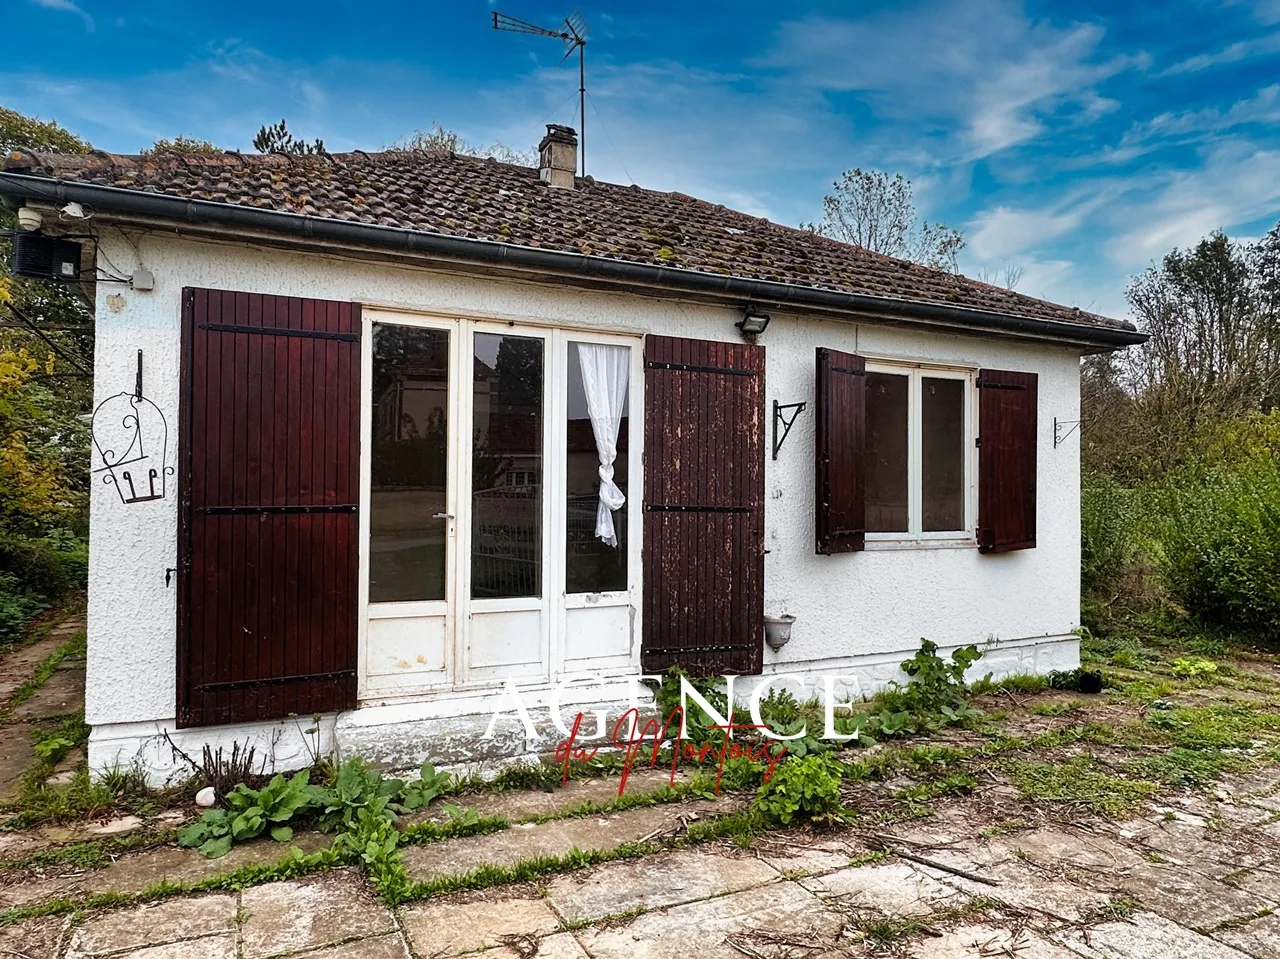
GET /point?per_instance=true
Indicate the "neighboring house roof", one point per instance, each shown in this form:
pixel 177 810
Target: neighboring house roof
pixel 437 193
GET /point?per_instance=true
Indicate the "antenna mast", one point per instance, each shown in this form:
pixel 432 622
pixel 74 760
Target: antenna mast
pixel 574 37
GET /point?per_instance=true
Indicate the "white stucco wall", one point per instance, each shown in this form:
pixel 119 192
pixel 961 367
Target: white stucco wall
pixel 856 612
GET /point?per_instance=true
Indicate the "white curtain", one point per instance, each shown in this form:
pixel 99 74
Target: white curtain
pixel 604 379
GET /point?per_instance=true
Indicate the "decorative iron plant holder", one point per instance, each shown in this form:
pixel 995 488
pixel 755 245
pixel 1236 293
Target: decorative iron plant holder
pixel 777 630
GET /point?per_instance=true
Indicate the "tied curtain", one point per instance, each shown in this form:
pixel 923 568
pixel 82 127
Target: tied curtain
pixel 604 380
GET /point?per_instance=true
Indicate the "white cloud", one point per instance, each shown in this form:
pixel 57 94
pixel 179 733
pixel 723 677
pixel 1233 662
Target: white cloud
pixel 1232 53
pixel 1267 11
pixel 976 73
pixel 1235 184
pixel 67 6
pixel 1002 232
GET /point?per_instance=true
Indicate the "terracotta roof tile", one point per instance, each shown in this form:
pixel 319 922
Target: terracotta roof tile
pixel 436 192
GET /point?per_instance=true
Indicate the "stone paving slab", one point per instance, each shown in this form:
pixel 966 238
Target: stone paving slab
pixel 1145 936
pixel 212 947
pixel 286 917
pixel 137 871
pixel 153 924
pixel 970 942
pixel 1030 888
pixel 452 928
pixel 1259 938
pixel 654 882
pixel 798 855
pixel 894 889
pixel 1189 898
pixel 17 666
pixel 560 946
pixel 520 804
pixel 38 938
pixel 175 864
pixel 554 838
pixel 1078 850
pixel 61 695
pixel 378 947
pixel 700 928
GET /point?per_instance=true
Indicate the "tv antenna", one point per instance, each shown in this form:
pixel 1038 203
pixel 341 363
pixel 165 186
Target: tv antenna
pixel 574 37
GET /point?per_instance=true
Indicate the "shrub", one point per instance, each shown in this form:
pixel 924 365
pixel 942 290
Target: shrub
pixel 1108 527
pixel 1220 543
pixel 807 788
pixel 17 606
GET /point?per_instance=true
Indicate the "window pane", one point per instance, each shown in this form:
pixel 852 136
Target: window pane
pixel 506 467
pixel 592 566
pixel 942 442
pixel 409 463
pixel 886 474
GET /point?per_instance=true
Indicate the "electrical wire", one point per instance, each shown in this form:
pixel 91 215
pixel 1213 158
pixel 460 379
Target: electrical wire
pixel 40 333
pixel 609 138
pixel 558 108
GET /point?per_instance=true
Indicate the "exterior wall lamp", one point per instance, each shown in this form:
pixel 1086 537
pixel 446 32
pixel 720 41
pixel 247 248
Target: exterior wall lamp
pixel 753 322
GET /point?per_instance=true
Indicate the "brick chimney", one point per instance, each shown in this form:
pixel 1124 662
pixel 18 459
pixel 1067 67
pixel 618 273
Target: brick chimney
pixel 558 156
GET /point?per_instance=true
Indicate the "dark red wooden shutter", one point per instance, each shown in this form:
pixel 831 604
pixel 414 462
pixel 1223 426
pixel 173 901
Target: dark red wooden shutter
pixel 269 440
pixel 841 434
pixel 1007 414
pixel 704 506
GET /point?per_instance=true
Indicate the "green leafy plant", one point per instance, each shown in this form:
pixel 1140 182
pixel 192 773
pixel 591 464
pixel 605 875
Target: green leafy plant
pixel 250 813
pixel 53 748
pixel 1193 668
pixel 356 786
pixel 859 726
pixel 210 834
pixel 667 696
pixel 798 748
pixel 807 788
pixel 430 785
pixel 780 706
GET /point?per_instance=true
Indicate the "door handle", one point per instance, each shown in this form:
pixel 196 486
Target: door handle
pixel 444 516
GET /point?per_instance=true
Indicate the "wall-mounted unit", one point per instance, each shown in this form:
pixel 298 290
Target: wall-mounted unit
pixel 45 257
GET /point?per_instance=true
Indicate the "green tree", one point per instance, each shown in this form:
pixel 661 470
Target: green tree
pixel 19 132
pixel 276 138
pixel 46 390
pixel 183 145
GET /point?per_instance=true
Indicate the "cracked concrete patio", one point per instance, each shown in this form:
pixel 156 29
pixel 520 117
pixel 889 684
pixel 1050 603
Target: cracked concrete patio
pixel 1192 873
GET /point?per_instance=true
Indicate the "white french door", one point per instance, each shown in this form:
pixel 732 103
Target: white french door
pixel 480 557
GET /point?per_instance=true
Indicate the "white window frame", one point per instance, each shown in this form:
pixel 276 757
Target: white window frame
pixel 915 536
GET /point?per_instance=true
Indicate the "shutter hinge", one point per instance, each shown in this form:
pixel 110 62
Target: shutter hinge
pixel 977 441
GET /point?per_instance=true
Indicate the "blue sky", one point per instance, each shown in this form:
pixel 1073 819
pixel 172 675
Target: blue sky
pixel 1078 141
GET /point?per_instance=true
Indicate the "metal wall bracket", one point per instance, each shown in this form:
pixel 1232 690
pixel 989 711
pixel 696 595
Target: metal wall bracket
pixel 1062 429
pixel 780 411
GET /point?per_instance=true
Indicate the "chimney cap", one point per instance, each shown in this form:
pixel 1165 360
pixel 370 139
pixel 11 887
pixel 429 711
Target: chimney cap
pixel 556 133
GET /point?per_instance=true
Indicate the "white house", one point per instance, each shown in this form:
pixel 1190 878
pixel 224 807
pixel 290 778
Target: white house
pixel 381 432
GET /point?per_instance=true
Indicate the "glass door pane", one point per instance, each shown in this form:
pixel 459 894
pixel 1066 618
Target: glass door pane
pixel 942 453
pixel 409 485
pixel 506 466
pixel 592 565
pixel 886 451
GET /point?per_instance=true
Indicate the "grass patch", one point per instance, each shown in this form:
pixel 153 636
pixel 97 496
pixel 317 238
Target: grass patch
pixel 1057 709
pixel 1184 768
pixel 1080 782
pixel 83 798
pixel 423 833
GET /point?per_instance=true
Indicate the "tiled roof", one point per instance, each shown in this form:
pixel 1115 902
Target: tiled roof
pixel 437 192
